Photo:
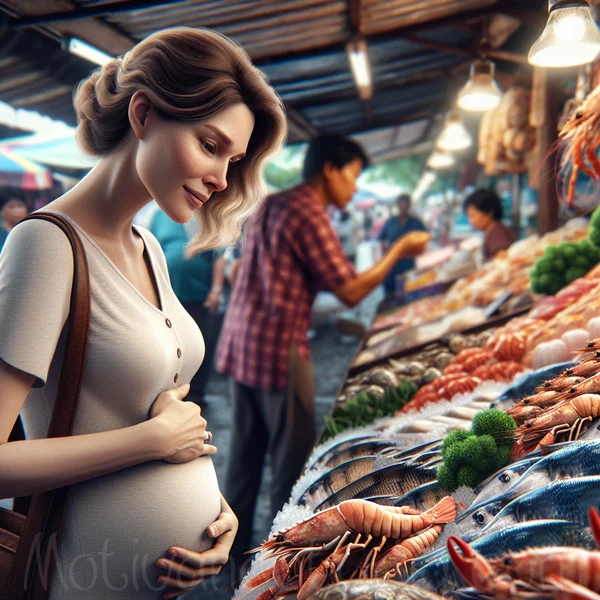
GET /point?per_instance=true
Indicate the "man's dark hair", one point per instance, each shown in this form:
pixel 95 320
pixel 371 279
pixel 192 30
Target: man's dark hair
pixel 336 149
pixel 404 198
pixel 485 201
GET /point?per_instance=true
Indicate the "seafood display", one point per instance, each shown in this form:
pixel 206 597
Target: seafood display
pixel 442 493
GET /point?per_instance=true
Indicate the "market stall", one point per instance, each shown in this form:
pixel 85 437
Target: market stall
pixel 467 428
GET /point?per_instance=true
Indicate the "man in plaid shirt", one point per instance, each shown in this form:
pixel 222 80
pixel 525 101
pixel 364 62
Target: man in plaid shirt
pixel 291 252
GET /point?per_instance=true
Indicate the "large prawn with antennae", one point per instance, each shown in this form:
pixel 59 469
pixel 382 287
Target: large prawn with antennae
pixel 582 136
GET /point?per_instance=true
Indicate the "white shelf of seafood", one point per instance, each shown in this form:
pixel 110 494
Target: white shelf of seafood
pixel 469 467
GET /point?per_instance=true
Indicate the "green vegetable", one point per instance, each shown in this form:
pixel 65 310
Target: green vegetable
pixel 471 456
pixel 561 265
pixel 364 408
pixel 446 479
pixel 493 422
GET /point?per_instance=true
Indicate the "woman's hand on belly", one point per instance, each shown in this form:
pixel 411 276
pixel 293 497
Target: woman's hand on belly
pixel 188 569
pixel 180 427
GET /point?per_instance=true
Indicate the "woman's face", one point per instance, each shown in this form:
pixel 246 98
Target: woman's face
pixel 183 164
pixel 478 219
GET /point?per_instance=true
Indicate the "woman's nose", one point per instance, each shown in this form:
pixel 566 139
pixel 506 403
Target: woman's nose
pixel 217 179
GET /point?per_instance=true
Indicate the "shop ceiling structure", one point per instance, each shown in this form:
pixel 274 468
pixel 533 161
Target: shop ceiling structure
pixel 419 52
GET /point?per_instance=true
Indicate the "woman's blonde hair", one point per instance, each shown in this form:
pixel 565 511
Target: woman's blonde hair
pixel 188 75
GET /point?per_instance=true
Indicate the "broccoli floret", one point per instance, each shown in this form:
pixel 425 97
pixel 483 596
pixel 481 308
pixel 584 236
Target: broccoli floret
pixel 594 234
pixel 544 265
pixel 581 261
pixel 472 450
pixel 558 265
pixel 454 456
pixel 551 252
pixel 469 476
pixel 568 251
pixel 502 457
pixel 458 435
pixel 446 479
pixel 493 422
pixel 595 220
pixel 574 273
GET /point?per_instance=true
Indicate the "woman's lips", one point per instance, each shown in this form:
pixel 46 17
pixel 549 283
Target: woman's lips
pixel 195 200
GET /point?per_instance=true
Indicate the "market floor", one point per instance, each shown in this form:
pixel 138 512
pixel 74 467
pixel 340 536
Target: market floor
pixel 331 355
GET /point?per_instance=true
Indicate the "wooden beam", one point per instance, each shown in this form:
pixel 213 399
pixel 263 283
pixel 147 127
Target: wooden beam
pixel 102 35
pixel 548 197
pixel 354 17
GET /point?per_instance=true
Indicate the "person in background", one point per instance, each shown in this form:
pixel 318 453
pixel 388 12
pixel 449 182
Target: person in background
pixel 291 252
pixel 14 210
pixel 347 231
pixel 198 284
pixel 395 228
pixel 484 211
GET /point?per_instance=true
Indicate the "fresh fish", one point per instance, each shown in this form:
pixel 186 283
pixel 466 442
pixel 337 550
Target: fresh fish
pixel 368 448
pixel 337 478
pixel 390 480
pixel 501 480
pixel 413 453
pixel 441 577
pixel 570 500
pixel 578 459
pixel 423 497
pixel 323 454
pixel 527 384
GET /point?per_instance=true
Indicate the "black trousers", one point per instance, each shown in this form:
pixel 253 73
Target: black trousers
pixel 281 424
pixel 210 326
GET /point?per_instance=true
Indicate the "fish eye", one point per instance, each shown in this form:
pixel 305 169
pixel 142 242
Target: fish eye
pixel 479 517
pixel 505 478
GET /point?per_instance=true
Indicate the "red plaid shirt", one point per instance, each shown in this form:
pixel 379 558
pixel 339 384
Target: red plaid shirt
pixel 290 253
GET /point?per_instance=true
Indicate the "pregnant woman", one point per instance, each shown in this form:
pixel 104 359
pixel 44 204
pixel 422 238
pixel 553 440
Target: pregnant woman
pixel 183 118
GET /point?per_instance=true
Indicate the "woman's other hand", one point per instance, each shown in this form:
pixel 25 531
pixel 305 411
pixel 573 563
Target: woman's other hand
pixel 181 429
pixel 187 569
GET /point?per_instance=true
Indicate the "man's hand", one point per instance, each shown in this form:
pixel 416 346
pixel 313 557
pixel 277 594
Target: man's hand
pixel 412 244
pixel 213 300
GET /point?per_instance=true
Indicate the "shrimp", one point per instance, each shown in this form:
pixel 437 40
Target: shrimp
pixel 365 518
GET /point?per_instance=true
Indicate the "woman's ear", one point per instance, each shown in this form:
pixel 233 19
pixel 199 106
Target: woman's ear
pixel 139 109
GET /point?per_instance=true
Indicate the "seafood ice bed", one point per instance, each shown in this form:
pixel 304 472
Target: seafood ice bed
pixel 369 512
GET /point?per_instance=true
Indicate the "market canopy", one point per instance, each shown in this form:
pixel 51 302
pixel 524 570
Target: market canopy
pixel 419 51
pixel 57 152
pixel 16 171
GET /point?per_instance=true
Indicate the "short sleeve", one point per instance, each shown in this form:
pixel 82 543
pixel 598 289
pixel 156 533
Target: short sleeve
pixel 36 275
pixel 382 236
pixel 317 246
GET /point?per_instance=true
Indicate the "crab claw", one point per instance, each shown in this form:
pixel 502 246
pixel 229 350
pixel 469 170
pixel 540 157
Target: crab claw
pixel 473 568
pixel 595 525
pixel 569 590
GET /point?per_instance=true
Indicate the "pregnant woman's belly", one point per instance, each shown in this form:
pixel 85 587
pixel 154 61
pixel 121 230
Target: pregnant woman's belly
pixel 117 526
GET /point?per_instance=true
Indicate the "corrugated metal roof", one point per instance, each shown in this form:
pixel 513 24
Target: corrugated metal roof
pixel 418 50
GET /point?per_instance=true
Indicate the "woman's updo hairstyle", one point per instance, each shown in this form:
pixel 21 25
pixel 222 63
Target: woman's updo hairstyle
pixel 188 75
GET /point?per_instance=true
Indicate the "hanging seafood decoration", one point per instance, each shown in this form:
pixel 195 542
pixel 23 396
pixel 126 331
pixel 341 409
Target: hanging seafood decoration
pixel 581 135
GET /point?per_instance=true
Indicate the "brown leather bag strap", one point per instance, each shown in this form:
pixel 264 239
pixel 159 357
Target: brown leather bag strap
pixel 42 529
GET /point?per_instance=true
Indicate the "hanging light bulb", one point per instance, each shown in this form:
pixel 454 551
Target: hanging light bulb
pixel 455 136
pixel 481 92
pixel 440 160
pixel 570 37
